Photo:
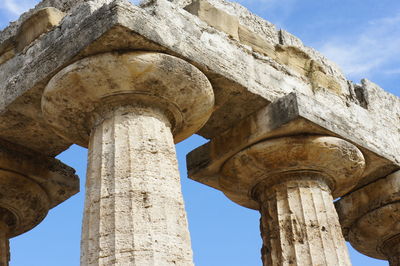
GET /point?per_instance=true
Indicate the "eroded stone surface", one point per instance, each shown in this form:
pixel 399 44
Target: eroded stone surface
pixel 133 105
pixel 57 179
pixel 293 181
pixel 73 96
pixel 25 199
pixel 370 218
pixel 294 114
pixel 134 211
pixel 256 67
pixel 215 17
pixel 40 22
pixel 30 185
pixel 251 77
pixel 299 224
pixel 4 244
pixel 341 162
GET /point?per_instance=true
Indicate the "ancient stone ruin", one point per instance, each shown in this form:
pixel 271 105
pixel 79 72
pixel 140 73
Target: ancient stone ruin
pixel 288 132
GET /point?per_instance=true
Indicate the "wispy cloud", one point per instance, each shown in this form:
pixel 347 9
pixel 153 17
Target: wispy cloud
pixel 395 71
pixel 16 7
pixel 273 10
pixel 374 50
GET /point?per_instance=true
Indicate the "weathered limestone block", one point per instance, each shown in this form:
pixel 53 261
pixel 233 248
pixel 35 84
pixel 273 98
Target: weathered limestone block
pixel 294 114
pixel 4 243
pixel 258 25
pixel 40 22
pixel 30 185
pixel 292 181
pixel 215 17
pixel 6 51
pixel 299 224
pixel 68 6
pixel 249 75
pixel 370 218
pixel 243 81
pixel 255 41
pixel 294 56
pixel 130 108
pixel 134 207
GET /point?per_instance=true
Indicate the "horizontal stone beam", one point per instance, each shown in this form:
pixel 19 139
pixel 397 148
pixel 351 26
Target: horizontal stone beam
pixel 259 66
pixel 298 114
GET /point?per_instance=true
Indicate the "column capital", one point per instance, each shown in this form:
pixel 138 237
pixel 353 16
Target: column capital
pixel 370 218
pixel 73 97
pixel 336 161
pixel 30 185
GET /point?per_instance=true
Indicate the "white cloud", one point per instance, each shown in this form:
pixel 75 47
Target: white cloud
pixel 374 50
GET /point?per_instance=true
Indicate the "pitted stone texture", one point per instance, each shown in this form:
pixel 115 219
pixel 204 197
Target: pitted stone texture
pixel 370 218
pixel 134 211
pixel 40 19
pixel 298 58
pixel 296 114
pixel 391 248
pixel 69 5
pixel 299 224
pixel 25 199
pixel 292 181
pixel 340 162
pixel 30 185
pixel 258 28
pixel 133 105
pixel 258 25
pixel 57 179
pixel 73 95
pixel 66 6
pixel 215 17
pixel 40 22
pixel 242 86
pixel 4 243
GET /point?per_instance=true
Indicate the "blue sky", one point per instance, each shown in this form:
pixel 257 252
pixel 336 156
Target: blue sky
pixel 362 36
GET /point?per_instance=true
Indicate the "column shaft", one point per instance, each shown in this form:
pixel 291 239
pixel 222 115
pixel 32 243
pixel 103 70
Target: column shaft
pixel 394 261
pixel 4 245
pixel 391 247
pixel 299 224
pixel 134 211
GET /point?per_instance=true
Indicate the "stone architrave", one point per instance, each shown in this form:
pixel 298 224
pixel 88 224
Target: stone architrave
pixel 370 219
pixel 129 108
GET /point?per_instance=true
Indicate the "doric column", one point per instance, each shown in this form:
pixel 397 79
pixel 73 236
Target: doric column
pixel 4 242
pixel 293 180
pixel 30 185
pixel 129 108
pixel 370 218
pixel 23 205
